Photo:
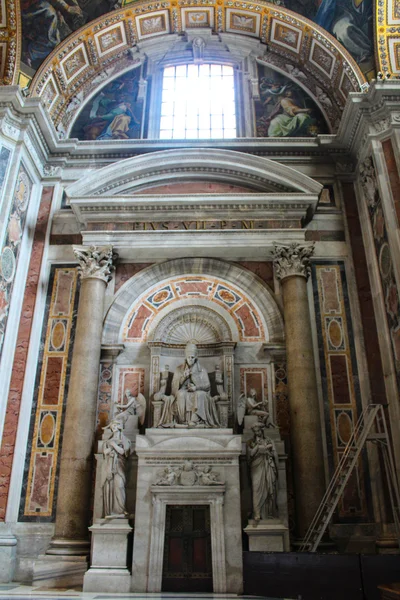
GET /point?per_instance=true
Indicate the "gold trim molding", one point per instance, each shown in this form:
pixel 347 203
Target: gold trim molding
pixel 10 41
pixel 388 36
pixel 107 46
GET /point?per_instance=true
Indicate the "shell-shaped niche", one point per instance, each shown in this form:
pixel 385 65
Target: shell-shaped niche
pixel 194 323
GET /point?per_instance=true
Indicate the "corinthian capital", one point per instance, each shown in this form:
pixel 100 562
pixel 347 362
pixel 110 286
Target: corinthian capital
pixel 293 259
pixel 94 261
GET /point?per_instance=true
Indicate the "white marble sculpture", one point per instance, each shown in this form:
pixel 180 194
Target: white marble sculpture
pixel 190 404
pixel 249 405
pixel 187 475
pixel 116 449
pixel 263 461
pixel 135 405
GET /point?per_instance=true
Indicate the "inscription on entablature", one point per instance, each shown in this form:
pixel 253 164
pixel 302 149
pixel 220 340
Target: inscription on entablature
pixel 196 225
pixel 178 460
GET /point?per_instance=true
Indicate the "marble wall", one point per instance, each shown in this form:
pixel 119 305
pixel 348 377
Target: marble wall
pixel 339 377
pixel 45 439
pixel 11 244
pixel 384 258
pixel 22 346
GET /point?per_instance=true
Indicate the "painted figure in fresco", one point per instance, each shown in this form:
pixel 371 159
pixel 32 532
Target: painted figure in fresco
pixel 288 119
pixel 350 21
pixel 191 388
pixel 263 462
pixel 111 115
pixel 46 23
pixel 115 452
pixel 283 111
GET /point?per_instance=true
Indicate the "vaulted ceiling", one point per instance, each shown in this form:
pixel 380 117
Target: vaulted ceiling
pixel 36 35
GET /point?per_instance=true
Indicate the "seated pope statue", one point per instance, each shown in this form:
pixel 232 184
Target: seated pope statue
pixel 190 403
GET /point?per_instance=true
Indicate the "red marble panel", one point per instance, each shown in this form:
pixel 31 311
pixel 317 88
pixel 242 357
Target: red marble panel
pixel 255 380
pixel 195 187
pixel 39 500
pixel 249 324
pixel 373 356
pixel 194 287
pixel 63 294
pixel 264 270
pixel 52 380
pixel 21 350
pixel 330 291
pixel 340 379
pixel 394 179
pixel 125 271
pixel 138 322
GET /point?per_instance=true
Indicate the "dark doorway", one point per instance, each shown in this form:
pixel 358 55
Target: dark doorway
pixel 187 550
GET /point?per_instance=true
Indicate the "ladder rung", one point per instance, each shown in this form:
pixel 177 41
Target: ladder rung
pixel 377 436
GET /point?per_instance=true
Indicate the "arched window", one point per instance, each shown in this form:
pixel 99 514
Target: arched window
pixel 198 102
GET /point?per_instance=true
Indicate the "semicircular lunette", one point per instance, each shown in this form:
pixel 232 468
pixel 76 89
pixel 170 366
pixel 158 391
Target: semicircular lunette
pixel 111 45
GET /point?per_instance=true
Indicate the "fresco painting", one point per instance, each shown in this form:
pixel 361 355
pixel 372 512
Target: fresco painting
pixel 115 113
pixel 46 23
pixel 284 108
pixel 350 21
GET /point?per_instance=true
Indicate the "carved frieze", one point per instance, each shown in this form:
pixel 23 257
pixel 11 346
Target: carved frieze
pixel 188 474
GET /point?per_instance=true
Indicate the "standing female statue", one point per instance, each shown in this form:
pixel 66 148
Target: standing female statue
pixel 115 452
pixel 263 461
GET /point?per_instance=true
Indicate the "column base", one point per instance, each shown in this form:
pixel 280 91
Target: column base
pixel 67 547
pixel 107 580
pixel 8 548
pixel 269 535
pixel 387 545
pixel 59 571
pixel 109 570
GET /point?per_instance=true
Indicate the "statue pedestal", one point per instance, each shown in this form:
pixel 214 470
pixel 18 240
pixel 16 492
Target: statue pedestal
pixel 109 571
pixel 268 535
pixel 170 461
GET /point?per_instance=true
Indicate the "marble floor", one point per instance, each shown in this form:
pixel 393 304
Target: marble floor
pixel 16 591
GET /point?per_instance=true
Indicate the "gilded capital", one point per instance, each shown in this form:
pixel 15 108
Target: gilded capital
pixel 94 261
pixel 294 259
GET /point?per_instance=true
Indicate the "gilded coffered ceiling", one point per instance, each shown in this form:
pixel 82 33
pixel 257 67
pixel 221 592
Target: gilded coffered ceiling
pixel 9 41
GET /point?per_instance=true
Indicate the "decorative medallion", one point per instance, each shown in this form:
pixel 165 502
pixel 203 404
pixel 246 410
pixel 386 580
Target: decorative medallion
pixel 8 264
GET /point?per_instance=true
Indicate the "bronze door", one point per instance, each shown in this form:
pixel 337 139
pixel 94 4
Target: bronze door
pixel 187 550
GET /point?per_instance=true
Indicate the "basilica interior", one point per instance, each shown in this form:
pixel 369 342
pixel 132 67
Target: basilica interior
pixel 199 297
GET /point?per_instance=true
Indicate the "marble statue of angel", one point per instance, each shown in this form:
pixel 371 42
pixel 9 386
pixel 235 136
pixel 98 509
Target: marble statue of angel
pixel 135 405
pixel 206 476
pixel 169 476
pixel 249 405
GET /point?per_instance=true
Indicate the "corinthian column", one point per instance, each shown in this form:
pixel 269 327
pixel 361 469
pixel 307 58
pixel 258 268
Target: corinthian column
pixel 75 483
pixel 292 268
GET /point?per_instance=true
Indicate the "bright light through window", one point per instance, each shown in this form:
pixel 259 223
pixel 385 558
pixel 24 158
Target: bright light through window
pixel 198 102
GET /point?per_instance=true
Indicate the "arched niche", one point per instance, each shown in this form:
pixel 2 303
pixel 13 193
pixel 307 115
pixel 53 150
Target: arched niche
pixel 141 290
pixel 231 314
